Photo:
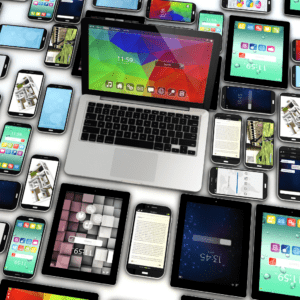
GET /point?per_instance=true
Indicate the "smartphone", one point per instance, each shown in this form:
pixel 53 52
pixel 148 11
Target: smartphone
pixel 238 183
pixel 14 142
pixel 69 11
pixel 61 46
pixel 4 230
pixel 172 11
pixel 255 6
pixel 22 37
pixel 211 21
pixel 24 248
pixel 288 174
pixel 296 50
pixel 248 100
pixel 216 91
pixel 26 94
pixel 4 64
pixel 10 192
pixel 40 183
pixel 119 4
pixel 289 127
pixel 41 10
pixel 149 241
pixel 55 110
pixel 259 146
pixel 227 138
pixel 296 77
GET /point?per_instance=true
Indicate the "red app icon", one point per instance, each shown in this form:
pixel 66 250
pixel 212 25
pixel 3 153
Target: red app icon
pixel 213 29
pixel 22 140
pixel 26 225
pixel 272 261
pixel 291 222
pixel 43 14
pixel 16 146
pixel 21 248
pixel 242 55
pixel 258 27
pixel 13 254
pixel 218 25
pixel 10 166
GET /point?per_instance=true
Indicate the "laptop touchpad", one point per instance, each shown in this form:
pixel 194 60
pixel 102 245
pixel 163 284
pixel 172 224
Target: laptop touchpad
pixel 131 164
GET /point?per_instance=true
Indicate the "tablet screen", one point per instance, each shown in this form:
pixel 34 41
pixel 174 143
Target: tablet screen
pixel 257 51
pixel 280 255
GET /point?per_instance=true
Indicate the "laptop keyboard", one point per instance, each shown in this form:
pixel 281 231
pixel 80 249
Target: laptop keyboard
pixel 156 130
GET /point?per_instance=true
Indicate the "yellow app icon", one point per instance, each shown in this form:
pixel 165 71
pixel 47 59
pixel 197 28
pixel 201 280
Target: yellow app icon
pixel 267 28
pixel 38 14
pixel 241 26
pixel 32 226
pixel 9 145
pixel 271 219
pixel 298 223
pixel 33 249
pixel 39 226
pixel 4 165
pixel 201 28
pixel 4 144
pixel 275 29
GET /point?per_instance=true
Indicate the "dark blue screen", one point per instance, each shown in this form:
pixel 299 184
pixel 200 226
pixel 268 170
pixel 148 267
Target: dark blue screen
pixel 217 258
pixel 289 176
pixel 248 100
pixel 7 194
pixel 70 8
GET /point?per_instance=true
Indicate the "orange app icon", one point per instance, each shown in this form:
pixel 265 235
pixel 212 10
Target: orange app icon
pixel 272 261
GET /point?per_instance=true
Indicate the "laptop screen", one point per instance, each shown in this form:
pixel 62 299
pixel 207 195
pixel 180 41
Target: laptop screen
pixel 142 63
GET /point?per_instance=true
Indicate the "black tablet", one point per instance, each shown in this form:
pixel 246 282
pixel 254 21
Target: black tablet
pixel 216 92
pixel 10 290
pixel 292 7
pixel 212 246
pixel 258 52
pixel 77 68
pixel 87 234
pixel 276 266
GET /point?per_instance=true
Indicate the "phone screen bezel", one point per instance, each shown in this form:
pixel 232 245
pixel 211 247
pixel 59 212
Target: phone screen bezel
pixel 35 207
pixel 76 20
pixel 210 12
pixel 5 237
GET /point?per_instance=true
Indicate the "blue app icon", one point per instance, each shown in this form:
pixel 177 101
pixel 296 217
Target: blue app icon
pixel 20 224
pixel 8 151
pixel 281 221
pixel 21 147
pixel 296 250
pixel 29 241
pixel 285 249
pixel 15 247
pixel 262 47
pixel 48 15
pixel 16 167
pixel 22 240
pixel 253 47
pixel 14 152
pixel 45 4
pixel 250 26
pixel 218 30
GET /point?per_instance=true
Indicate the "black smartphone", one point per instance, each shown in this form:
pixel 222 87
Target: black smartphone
pixel 227 138
pixel 248 100
pixel 61 46
pixel 26 94
pixel 22 37
pixel 69 11
pixel 55 110
pixel 10 192
pixel 4 230
pixel 216 91
pixel 149 241
pixel 4 64
pixel 296 77
pixel 254 6
pixel 135 5
pixel 41 10
pixel 238 183
pixel 295 50
pixel 24 248
pixel 40 184
pixel 259 143
pixel 172 11
pixel 15 140
pixel 288 174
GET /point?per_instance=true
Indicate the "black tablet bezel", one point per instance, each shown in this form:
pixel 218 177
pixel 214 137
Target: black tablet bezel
pixel 288 11
pixel 238 291
pixel 217 38
pixel 92 277
pixel 216 91
pixel 6 284
pixel 16 197
pixel 104 15
pixel 286 44
pixel 260 209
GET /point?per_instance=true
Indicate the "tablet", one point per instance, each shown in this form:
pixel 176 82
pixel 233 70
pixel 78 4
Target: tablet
pixel 10 290
pixel 292 7
pixel 276 253
pixel 212 246
pixel 216 92
pixel 77 68
pixel 257 52
pixel 87 234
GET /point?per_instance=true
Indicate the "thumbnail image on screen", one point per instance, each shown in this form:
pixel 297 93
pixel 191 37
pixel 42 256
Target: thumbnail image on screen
pixel 211 22
pixel 280 255
pixel 294 5
pixel 61 45
pixel 257 51
pixel 298 49
pixel 260 143
pixel 253 5
pixel 122 4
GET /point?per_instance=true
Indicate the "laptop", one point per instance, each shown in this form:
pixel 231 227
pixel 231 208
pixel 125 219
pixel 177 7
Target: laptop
pixel 143 116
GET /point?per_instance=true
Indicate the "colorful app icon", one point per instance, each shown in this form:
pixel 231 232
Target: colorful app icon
pixel 262 47
pixel 35 3
pixel 281 221
pixel 171 92
pixel 298 223
pixel 39 226
pixel 130 87
pixel 276 30
pixel 27 249
pixel 267 28
pixel 20 153
pixel 109 84
pixel 32 225
pixel 26 225
pixel 16 239
pixel 140 88
pixel 16 167
pixel 22 147
pixel 20 224
pixel 23 140
pixel 33 249
pixel 29 241
pixel 13 254
pixel 296 250
pixel 2 151
pixel 253 47
pixel 241 26
pixel 46 4
pixel 242 55
pixel 181 93
pixel 16 146
pixel 244 45
pixel 201 28
pixel 275 247
pixel 270 48
pixel 291 222
pixel 38 14
pixel 48 14
pixel 22 240
pixel 4 165
pixel 10 166
pixel 272 261
pixel 258 27
pixel 286 249
pixel 250 26
pixel 50 4
pixel 206 29
pixel 9 145
pixel 213 29
pixel 120 85
pixel 14 152
pixel 14 247
pixel 20 248
pixel 35 242
pixel 161 91
pixel 4 144
pixel 271 219
pixel 8 151
pixel 218 30
pixel 150 89
pixel 43 14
